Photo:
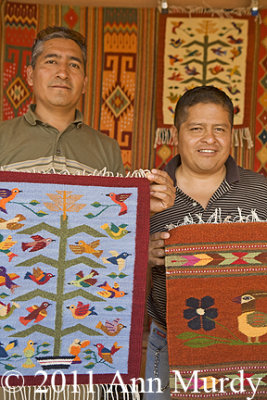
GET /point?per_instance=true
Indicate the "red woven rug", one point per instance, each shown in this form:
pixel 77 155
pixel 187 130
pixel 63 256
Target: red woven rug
pixel 73 255
pixel 217 311
pixel 260 164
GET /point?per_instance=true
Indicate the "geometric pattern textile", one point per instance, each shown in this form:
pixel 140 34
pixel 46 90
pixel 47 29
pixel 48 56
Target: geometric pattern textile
pixel 261 107
pixel 207 50
pixel 120 67
pixel 73 253
pixel 217 310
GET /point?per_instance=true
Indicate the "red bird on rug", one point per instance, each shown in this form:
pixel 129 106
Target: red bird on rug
pixel 36 313
pixel 120 199
pixel 38 243
pixel 105 353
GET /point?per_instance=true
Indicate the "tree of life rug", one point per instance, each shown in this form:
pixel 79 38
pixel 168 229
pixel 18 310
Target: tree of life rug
pixel 73 254
pixel 217 311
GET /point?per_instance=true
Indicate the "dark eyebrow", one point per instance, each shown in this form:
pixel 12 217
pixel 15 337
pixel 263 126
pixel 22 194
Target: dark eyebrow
pixel 54 55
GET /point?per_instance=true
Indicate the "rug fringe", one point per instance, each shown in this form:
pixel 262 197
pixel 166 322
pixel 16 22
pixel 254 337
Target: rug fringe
pixel 220 12
pixel 70 392
pixel 166 136
pixel 138 173
pixel 242 135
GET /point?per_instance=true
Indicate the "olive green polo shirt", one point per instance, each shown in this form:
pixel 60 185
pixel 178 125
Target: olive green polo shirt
pixel 28 144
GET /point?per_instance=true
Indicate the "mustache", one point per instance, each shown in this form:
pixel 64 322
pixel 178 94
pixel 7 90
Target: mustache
pixel 60 84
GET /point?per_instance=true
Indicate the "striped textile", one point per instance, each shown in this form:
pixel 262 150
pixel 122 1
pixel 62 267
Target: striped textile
pixel 260 162
pixel 217 310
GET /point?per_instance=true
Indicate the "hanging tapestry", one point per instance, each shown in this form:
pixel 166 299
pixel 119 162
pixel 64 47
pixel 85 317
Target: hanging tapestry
pixel 73 257
pixel 119 97
pixel 260 164
pixel 217 311
pixel 205 50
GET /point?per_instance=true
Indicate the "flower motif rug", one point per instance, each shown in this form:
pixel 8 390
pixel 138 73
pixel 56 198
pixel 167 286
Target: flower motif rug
pixel 73 254
pixel 217 311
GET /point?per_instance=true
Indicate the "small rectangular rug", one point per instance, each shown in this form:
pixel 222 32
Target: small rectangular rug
pixel 217 311
pixel 73 255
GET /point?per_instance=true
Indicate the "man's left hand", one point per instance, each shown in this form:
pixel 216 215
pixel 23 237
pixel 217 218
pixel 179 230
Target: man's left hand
pixel 162 191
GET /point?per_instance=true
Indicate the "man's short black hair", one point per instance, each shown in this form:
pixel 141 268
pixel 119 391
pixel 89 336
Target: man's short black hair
pixel 202 94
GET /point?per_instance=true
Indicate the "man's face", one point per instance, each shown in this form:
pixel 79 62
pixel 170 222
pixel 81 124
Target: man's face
pixel 204 139
pixel 58 78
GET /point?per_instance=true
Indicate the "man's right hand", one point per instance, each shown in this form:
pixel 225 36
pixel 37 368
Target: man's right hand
pixel 156 248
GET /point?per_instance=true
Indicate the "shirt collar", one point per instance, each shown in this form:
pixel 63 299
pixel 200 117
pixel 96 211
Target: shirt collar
pixel 232 171
pixel 32 118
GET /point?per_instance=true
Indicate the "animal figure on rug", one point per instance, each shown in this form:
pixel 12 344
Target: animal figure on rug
pixel 236 51
pixel 81 310
pixel 174 59
pixel 251 323
pixel 38 243
pixel 218 51
pixel 105 353
pixel 75 349
pixel 5 246
pixel 13 223
pixel 29 352
pixel 7 309
pixel 82 247
pixel 85 280
pixel 7 279
pixel 6 196
pixel 111 328
pixel 191 71
pixel 111 292
pixel 120 200
pixel 117 259
pixel 216 69
pixel 38 276
pixel 9 346
pixel 232 40
pixel 36 313
pixel 114 231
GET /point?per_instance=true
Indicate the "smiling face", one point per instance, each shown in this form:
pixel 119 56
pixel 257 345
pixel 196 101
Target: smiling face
pixel 58 78
pixel 204 139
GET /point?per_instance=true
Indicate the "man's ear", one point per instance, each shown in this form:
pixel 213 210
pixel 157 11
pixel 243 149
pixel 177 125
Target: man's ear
pixel 174 135
pixel 30 75
pixel 85 84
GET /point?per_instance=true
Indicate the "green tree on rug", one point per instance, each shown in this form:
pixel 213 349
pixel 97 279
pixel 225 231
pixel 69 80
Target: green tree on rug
pixel 66 202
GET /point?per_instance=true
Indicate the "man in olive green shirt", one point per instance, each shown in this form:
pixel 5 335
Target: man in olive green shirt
pixel 51 136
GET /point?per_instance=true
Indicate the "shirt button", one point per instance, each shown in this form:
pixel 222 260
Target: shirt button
pixel 58 152
pixel 194 204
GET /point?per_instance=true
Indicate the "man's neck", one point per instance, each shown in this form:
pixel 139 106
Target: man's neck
pixel 58 118
pixel 199 187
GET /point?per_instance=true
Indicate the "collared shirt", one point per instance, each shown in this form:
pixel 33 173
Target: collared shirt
pixel 28 144
pixel 241 197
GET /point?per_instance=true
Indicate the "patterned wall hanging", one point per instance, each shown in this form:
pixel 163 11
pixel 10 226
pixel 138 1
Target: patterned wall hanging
pixel 119 99
pixel 206 50
pixel 261 110
pixel 73 257
pixel 217 310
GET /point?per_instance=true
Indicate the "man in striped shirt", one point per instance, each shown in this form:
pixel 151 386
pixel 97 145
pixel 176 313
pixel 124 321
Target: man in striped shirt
pixel 211 188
